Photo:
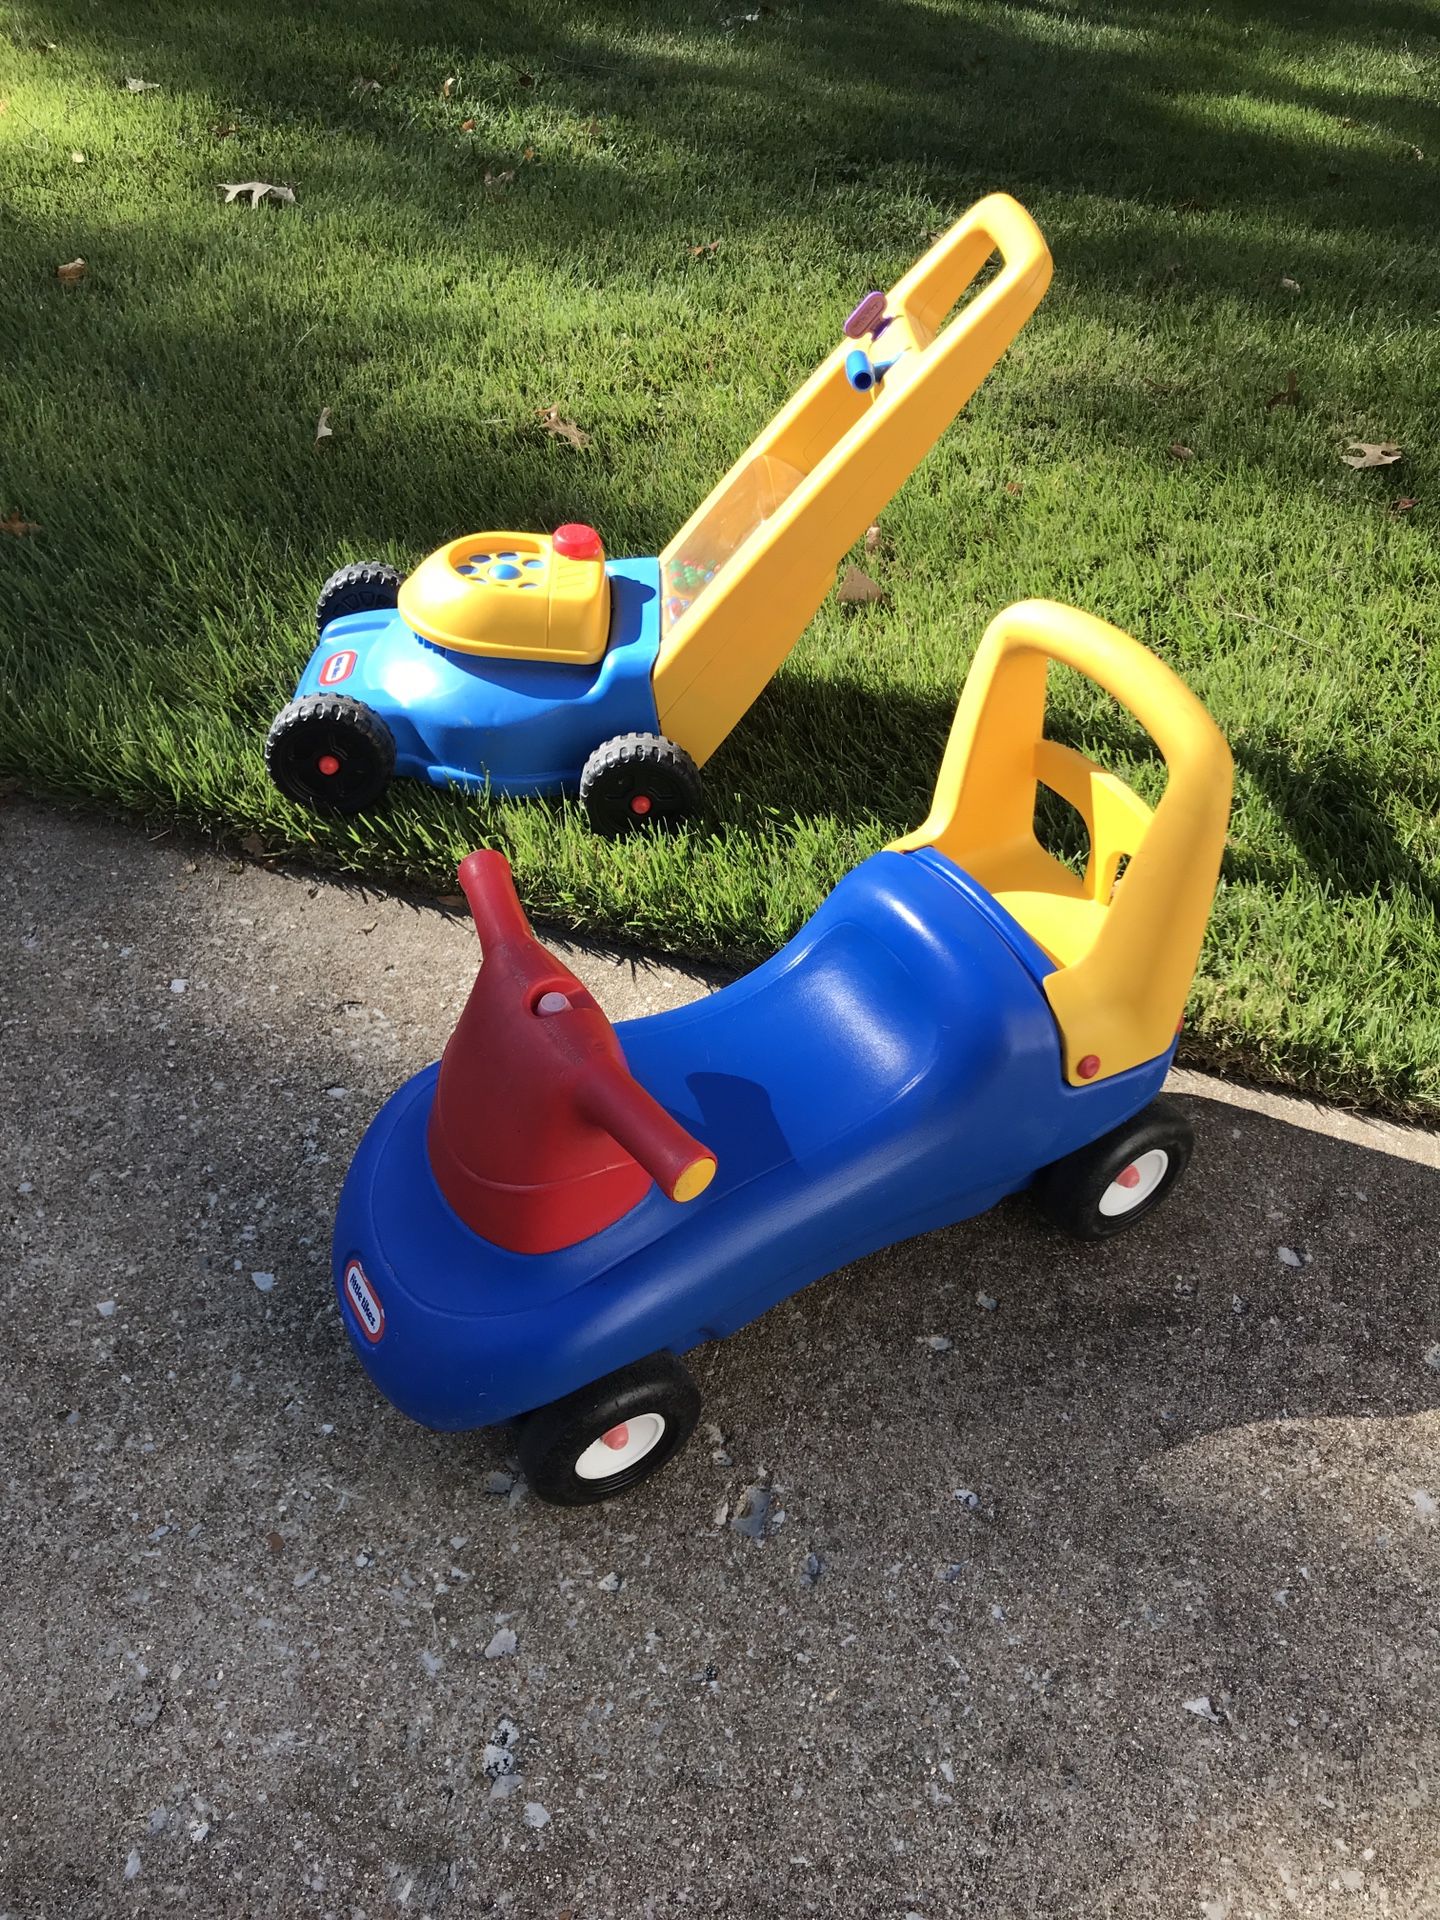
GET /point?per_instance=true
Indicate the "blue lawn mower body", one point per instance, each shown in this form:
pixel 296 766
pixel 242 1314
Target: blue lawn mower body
pixel 479 721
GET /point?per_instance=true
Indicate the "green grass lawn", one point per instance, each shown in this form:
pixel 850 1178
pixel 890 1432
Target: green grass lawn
pixel 1230 194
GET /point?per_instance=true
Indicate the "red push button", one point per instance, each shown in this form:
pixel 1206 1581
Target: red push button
pixel 576 541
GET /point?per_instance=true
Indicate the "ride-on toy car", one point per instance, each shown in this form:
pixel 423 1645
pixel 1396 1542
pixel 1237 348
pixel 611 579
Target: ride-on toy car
pixel 531 663
pixel 536 1228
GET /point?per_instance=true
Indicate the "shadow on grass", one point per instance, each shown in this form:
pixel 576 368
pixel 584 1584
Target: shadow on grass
pixel 1334 810
pixel 861 110
pixel 953 101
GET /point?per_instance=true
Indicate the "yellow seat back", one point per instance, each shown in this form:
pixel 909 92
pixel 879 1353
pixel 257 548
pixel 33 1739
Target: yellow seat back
pixel 1124 953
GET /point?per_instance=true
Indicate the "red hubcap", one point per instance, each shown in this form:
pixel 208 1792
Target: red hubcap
pixel 641 804
pixel 617 1437
pixel 1129 1178
pixel 328 764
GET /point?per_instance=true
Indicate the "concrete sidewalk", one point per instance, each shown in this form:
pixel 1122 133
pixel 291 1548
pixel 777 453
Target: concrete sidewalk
pixel 1127 1602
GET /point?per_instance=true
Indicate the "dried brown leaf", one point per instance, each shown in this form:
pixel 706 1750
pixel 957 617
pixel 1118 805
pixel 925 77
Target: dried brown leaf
pixel 141 86
pixel 258 190
pixel 705 249
pixel 527 155
pixel 1289 285
pixel 857 589
pixel 223 129
pixel 1289 395
pixel 1178 451
pixel 467 126
pixel 524 79
pixel 71 273
pixel 450 901
pixel 365 86
pixel 252 844
pixel 873 538
pixel 1407 505
pixel 1368 453
pixel 323 428
pixel 1014 487
pixel 554 422
pixel 497 182
pixel 275 1541
pixel 13 523
pixel 447 86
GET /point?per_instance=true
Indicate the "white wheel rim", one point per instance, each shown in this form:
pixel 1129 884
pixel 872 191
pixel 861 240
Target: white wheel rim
pixel 623 1446
pixel 1133 1186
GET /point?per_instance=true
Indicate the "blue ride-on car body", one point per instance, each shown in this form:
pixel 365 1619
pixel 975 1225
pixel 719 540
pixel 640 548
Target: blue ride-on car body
pixel 538 1226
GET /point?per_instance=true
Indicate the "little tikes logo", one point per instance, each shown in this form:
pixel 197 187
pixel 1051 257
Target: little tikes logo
pixel 338 667
pixel 365 1301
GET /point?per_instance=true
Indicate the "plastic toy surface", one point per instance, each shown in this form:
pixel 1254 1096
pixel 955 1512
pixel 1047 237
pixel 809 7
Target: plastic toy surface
pixel 538 1227
pixel 531 663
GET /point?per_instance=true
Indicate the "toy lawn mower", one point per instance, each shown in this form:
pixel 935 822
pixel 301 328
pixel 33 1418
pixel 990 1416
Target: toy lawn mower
pixel 532 663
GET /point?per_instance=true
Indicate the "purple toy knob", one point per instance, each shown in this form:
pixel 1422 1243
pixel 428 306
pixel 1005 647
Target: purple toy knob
pixel 866 317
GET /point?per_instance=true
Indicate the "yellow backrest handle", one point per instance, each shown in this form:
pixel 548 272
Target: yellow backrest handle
pixel 1125 954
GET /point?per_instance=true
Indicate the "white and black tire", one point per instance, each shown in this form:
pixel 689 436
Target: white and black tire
pixel 606 1438
pixel 1111 1185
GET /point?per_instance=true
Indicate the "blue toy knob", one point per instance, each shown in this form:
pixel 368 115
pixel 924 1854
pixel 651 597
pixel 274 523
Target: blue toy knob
pixel 858 370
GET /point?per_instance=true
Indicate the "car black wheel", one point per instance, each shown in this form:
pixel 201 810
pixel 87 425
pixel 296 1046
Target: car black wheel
pixel 638 781
pixel 331 753
pixel 608 1437
pixel 1102 1189
pixel 363 587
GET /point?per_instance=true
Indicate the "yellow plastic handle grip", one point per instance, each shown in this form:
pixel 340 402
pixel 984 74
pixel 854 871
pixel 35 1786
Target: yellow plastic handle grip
pixel 996 224
pixel 1148 690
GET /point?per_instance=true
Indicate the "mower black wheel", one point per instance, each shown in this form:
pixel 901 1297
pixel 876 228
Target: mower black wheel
pixel 639 781
pixel 331 753
pixel 363 587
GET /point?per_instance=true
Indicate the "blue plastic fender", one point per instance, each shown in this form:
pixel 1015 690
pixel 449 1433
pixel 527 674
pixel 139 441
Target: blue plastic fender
pixel 894 1069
